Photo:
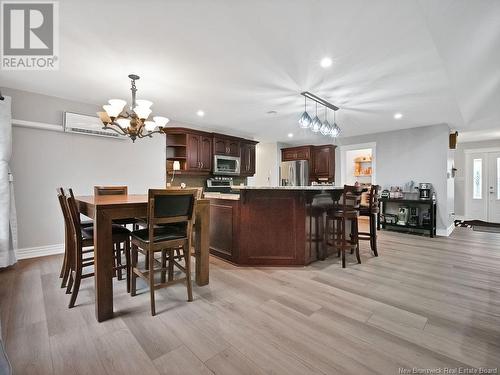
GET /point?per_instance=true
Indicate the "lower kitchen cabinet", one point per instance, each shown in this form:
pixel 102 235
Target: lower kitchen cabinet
pixel 224 228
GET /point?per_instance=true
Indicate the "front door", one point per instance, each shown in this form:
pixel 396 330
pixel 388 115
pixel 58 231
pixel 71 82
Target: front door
pixel 483 186
pixel 494 187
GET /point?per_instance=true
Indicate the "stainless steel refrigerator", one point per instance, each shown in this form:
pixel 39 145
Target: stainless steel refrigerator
pixel 294 173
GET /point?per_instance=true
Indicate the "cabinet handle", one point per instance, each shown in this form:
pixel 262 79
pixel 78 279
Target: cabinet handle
pixel 202 164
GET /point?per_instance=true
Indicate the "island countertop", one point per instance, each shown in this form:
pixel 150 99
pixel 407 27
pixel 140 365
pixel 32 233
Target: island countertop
pixel 315 187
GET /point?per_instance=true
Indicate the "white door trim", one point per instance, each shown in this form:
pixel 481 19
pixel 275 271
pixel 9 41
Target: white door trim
pixel 359 146
pixel 480 150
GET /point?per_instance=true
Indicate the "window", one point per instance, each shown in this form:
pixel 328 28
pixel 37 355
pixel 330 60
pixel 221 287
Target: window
pixel 498 178
pixel 477 179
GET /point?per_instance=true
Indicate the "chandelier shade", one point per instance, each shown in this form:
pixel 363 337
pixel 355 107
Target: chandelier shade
pixel 316 126
pixel 131 122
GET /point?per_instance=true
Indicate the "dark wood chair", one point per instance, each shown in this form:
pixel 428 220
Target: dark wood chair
pixel 79 256
pixel 170 226
pixel 345 211
pixel 371 210
pixel 118 190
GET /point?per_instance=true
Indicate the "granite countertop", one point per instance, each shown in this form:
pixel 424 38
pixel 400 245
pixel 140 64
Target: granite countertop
pixel 316 187
pixel 216 195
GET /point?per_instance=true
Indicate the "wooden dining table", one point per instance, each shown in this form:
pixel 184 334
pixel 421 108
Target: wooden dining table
pixel 103 210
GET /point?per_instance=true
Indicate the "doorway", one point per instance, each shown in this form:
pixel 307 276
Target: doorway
pixel 358 164
pixel 482 189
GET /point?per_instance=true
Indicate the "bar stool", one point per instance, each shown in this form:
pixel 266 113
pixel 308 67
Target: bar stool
pixel 170 227
pixel 76 258
pixel 336 223
pixel 371 210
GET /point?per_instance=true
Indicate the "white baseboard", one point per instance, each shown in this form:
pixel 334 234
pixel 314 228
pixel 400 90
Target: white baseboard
pixel 445 232
pixel 40 251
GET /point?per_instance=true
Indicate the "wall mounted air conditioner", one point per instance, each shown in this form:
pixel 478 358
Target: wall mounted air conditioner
pixel 89 125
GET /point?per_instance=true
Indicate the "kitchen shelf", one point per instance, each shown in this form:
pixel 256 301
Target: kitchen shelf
pixel 362 175
pixel 177 158
pixel 431 228
pixel 176 145
pixel 423 227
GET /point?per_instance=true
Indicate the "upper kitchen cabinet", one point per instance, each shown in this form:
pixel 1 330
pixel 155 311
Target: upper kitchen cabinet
pixel 225 145
pixel 324 162
pixel 247 158
pixel 296 153
pixel 321 160
pixel 192 149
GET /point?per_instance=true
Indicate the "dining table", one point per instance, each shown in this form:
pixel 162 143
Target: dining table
pixel 106 208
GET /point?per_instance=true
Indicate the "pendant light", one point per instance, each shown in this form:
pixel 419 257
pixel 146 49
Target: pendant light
pixel 316 124
pixel 305 120
pixel 335 130
pixel 325 127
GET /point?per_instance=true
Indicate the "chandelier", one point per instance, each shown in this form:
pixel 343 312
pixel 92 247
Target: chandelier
pixel 315 125
pixel 132 122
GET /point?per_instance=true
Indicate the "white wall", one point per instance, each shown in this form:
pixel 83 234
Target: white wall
pixel 418 154
pixel 460 174
pixel 43 160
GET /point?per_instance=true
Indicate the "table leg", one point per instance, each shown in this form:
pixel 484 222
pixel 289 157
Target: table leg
pixel 103 265
pixel 202 228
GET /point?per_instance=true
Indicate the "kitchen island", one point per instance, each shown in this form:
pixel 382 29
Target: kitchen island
pixel 271 226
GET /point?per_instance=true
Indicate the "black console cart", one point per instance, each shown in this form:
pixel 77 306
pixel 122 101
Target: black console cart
pixel 430 203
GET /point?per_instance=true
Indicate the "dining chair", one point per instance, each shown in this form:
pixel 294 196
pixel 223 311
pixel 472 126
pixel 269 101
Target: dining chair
pixel 174 210
pixel 371 210
pixel 81 253
pixel 102 190
pixel 347 210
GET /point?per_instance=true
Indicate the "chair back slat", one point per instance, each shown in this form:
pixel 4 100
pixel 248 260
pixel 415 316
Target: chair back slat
pixel 351 198
pixel 110 190
pixel 374 197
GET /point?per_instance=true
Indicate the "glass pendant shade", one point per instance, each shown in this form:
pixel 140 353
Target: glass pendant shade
pixel 112 111
pixel 305 121
pixel 161 121
pixel 117 103
pixel 144 103
pixel 142 112
pixel 316 125
pixel 150 125
pixel 335 131
pixel 325 128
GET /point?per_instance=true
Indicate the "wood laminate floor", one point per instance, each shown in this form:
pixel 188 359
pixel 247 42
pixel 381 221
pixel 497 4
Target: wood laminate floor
pixel 424 303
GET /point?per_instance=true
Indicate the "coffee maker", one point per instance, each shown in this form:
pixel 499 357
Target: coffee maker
pixel 414 217
pixel 425 189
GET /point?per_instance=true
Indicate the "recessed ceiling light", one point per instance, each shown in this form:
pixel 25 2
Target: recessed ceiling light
pixel 397 116
pixel 326 62
pixel 290 135
pixel 200 113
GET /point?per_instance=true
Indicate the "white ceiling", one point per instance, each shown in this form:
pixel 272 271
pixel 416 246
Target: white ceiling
pixel 434 61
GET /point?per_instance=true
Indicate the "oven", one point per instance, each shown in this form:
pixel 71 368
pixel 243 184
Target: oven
pixel 226 165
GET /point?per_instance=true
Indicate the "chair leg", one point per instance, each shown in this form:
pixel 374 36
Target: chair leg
pixel 373 234
pixel 338 237
pixel 146 261
pixel 163 266
pixel 76 287
pixel 343 242
pixel 127 264
pixel 133 276
pixel 118 251
pixel 170 264
pixel 187 259
pixel 70 282
pixel 356 239
pixel 152 283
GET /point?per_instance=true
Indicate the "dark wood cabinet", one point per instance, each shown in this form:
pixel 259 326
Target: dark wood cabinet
pixel 199 153
pixel 247 158
pixel 296 153
pixel 321 160
pixel 226 145
pixel 194 150
pixel 224 228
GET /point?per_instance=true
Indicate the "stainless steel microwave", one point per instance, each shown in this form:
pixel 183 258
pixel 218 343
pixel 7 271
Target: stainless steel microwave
pixel 226 165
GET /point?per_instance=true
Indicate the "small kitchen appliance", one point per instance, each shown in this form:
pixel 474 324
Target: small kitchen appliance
pixel 425 190
pixel 403 214
pixel 414 218
pixel 219 184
